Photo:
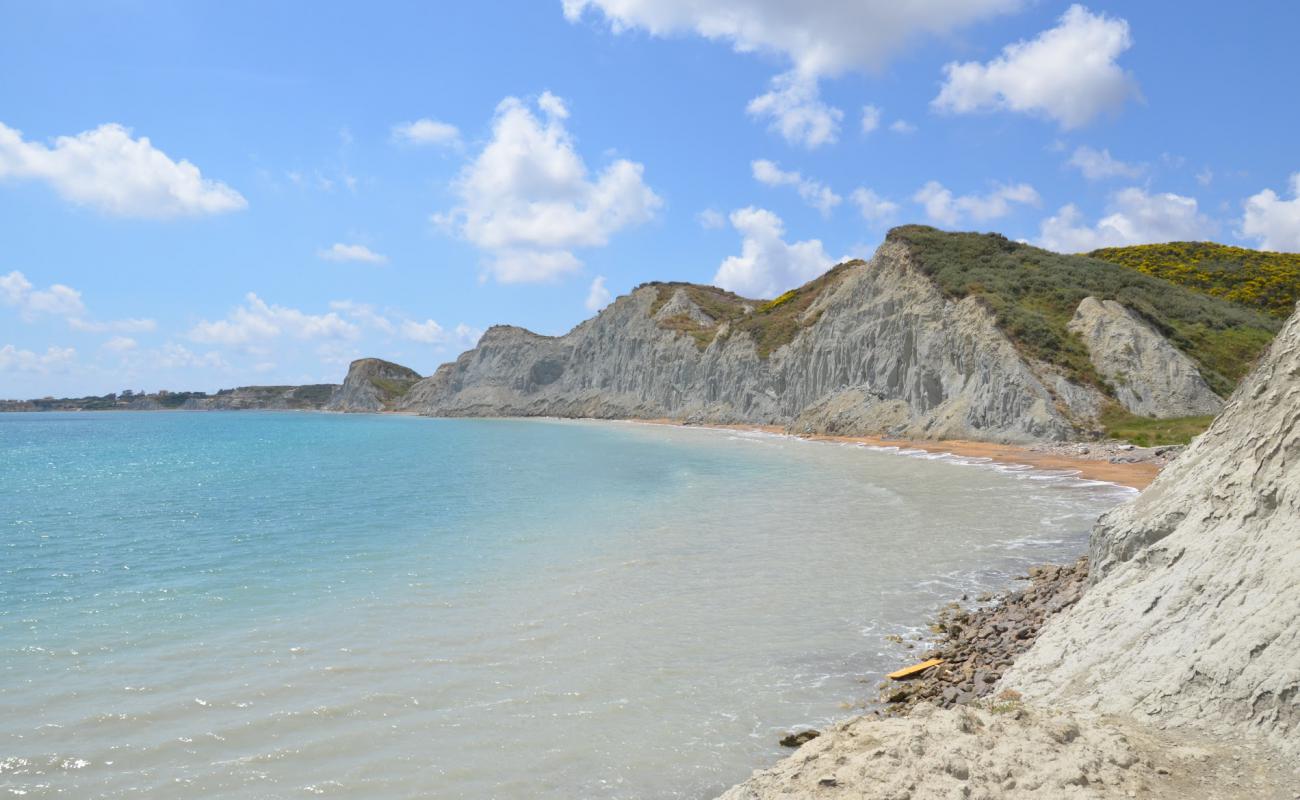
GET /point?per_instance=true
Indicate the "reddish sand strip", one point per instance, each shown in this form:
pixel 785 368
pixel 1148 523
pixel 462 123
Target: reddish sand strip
pixel 1137 476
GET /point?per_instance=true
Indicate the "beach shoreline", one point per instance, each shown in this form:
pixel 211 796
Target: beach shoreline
pixel 1137 474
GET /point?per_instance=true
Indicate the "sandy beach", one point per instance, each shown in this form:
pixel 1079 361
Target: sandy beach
pixel 1135 475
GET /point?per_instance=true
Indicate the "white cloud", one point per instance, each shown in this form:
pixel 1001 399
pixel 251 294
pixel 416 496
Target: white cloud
pixel 131 325
pixel 54 359
pixel 1067 74
pixel 430 332
pixel 427 132
pixel 528 201
pixel 365 314
pixel 60 301
pixel 1098 165
pixel 1205 177
pixel 874 208
pixel 821 38
pixel 767 265
pixel 1272 221
pixel 870 118
pixel 598 296
pixel 173 356
pixel 797 112
pixel 107 169
pixel 902 126
pixel 120 344
pixel 351 252
pixel 257 321
pixel 825 37
pixel 427 332
pixel 1136 217
pixel 711 219
pixel 814 193
pixel 466 336
pixel 943 207
pixel 553 105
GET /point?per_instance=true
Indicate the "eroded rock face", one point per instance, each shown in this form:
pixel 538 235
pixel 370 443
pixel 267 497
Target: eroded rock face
pixel 372 384
pixel 1151 377
pixel 887 353
pixel 1194 615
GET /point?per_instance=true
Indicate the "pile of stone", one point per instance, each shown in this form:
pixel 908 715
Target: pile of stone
pixel 975 645
pixel 1116 452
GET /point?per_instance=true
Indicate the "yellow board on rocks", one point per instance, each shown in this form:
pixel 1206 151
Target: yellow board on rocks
pixel 914 670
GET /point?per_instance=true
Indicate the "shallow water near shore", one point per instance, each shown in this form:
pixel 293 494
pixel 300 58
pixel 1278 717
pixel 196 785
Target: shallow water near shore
pixel 291 605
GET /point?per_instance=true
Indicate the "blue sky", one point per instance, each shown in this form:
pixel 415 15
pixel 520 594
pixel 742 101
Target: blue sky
pixel 203 195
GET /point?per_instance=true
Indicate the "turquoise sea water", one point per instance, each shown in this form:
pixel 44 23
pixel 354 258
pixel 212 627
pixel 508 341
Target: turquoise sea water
pixel 291 605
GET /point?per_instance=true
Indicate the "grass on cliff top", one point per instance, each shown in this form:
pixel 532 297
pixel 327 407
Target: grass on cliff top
pixel 1148 432
pixel 1269 282
pixel 1033 294
pixel 392 388
pixel 772 324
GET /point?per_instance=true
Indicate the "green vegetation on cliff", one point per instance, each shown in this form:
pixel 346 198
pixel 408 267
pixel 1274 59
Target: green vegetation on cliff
pixel 1148 432
pixel 772 324
pixel 1033 294
pixel 1267 281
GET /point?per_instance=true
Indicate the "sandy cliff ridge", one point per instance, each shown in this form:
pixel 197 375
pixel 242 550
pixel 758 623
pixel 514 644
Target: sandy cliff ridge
pixel 875 347
pixel 1176 675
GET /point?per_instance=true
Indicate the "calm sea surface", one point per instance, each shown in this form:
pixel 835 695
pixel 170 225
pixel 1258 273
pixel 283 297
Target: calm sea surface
pixel 281 605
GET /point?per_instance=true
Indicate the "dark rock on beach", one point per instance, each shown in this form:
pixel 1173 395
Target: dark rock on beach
pixel 799 738
pixel 975 645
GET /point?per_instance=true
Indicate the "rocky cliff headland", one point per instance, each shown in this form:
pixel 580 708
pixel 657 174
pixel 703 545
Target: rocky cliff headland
pixel 940 335
pixel 1175 674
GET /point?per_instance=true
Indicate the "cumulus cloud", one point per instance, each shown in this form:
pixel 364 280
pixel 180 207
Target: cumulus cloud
pixel 54 359
pixel 767 265
pixel 528 200
pixel 365 314
pixel 814 193
pixel 1068 73
pixel 1098 165
pixel 942 207
pixel 351 252
pixel 711 219
pixel 1273 222
pixel 107 169
pixel 1135 217
pixel 902 126
pixel 427 132
pixel 820 39
pixel 875 209
pixel 174 356
pixel 257 321
pixel 120 344
pixel 430 332
pixel 870 118
pixel 598 296
pixel 824 37
pixel 129 325
pixel 60 301
pixel 796 111
pixel 427 332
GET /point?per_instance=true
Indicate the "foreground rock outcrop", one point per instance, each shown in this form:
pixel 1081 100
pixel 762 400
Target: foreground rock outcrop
pixel 1194 615
pixel 1186 642
pixel 875 347
pixel 1009 751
